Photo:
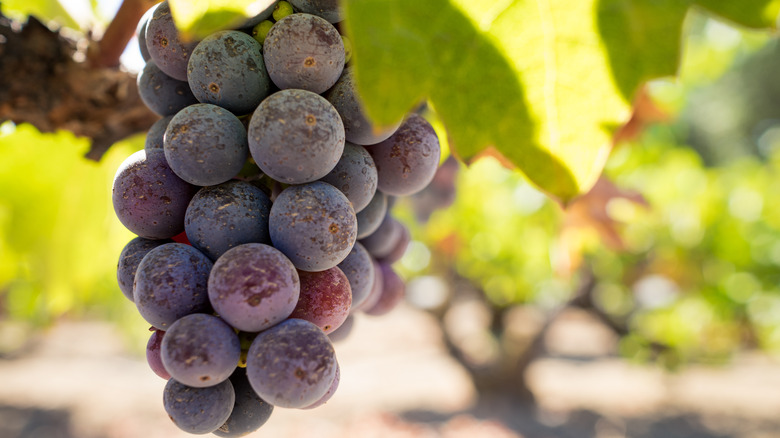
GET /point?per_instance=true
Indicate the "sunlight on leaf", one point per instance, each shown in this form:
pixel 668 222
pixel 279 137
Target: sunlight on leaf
pixel 45 10
pixel 544 82
pixel 198 19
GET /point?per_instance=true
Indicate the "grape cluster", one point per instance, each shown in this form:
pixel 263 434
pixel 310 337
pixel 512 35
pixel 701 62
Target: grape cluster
pixel 261 203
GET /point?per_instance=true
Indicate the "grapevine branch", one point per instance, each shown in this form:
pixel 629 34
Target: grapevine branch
pixel 121 30
pixel 47 87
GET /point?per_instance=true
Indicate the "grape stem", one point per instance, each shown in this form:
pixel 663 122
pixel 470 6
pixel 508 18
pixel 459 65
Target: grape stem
pixel 120 31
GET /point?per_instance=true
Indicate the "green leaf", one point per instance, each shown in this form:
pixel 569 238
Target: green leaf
pixel 45 10
pixel 198 19
pixel 527 78
pixel 643 37
pixel 750 13
pixel 543 82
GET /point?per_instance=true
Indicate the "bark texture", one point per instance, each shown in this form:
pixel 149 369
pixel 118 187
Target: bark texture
pixel 45 85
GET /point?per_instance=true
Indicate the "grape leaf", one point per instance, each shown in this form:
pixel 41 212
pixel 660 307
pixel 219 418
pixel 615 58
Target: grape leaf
pixel 198 19
pixel 643 37
pixel 750 13
pixel 543 82
pixel 44 10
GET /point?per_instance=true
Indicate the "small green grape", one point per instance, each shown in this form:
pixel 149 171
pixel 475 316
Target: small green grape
pixel 282 9
pixel 260 31
pixel 347 49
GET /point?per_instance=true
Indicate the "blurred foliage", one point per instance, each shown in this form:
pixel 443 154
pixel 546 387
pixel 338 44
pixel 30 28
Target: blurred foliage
pixel 45 10
pixel 59 237
pixel 693 268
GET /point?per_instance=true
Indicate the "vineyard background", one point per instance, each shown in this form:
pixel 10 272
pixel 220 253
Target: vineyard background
pixel 648 308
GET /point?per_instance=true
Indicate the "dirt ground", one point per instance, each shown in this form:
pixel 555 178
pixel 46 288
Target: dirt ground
pixel 78 380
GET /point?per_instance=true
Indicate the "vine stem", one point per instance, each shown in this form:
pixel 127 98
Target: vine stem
pixel 119 32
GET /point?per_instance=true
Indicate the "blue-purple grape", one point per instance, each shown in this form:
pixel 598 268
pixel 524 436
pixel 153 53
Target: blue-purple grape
pixel 263 15
pixel 381 242
pixel 358 128
pixel 253 287
pixel 292 364
pixel 296 136
pixel 156 135
pixel 227 215
pixel 399 249
pixel 332 390
pixel 153 357
pixel 393 291
pixel 250 411
pixel 149 199
pixel 407 161
pixel 325 298
pixel 165 45
pixel 314 225
pixel 344 330
pixel 304 51
pixel 129 258
pixel 161 93
pixel 227 69
pixel 358 266
pixel 371 217
pixel 205 144
pixel 355 175
pixel 140 33
pixel 376 290
pixel 171 282
pixel 198 410
pixel 327 9
pixel 200 350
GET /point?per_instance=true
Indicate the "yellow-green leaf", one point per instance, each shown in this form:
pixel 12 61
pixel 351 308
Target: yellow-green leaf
pixel 543 82
pixel 198 19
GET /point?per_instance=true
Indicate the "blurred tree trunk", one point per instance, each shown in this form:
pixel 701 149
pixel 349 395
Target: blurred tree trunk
pixel 505 373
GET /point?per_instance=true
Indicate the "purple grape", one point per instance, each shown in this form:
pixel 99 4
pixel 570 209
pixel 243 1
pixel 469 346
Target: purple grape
pixel 250 411
pixel 198 410
pixel 253 287
pixel 205 144
pixel 171 282
pixel 140 33
pixel 304 51
pixel 149 199
pixel 153 354
pixel 292 364
pixel 372 216
pixel 358 128
pixel 161 93
pixel 325 298
pixel 355 175
pixel 129 258
pixel 399 249
pixel 344 330
pixel 296 136
pixel 156 135
pixel 227 215
pixel 381 242
pixel 393 291
pixel 200 350
pixel 332 390
pixel 263 15
pixel 407 161
pixel 227 69
pixel 376 290
pixel 327 9
pixel 314 225
pixel 359 269
pixel 165 45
